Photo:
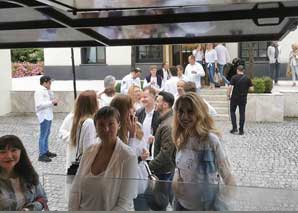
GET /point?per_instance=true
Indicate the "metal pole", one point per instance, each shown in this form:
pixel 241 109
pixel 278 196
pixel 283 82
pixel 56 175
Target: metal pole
pixel 73 74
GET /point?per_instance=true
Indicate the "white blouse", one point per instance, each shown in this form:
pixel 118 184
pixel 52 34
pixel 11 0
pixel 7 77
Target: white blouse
pixel 210 56
pixel 112 191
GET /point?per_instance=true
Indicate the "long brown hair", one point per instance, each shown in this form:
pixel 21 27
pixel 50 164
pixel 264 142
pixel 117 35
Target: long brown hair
pixel 85 107
pixel 24 168
pixel 203 126
pixel 123 103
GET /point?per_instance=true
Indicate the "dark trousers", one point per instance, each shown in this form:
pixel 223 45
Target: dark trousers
pixel 233 106
pixel 274 71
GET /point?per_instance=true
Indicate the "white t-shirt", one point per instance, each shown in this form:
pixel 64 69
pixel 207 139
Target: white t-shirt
pixel 223 55
pixel 194 72
pixel 198 55
pixel 127 82
pixel 171 85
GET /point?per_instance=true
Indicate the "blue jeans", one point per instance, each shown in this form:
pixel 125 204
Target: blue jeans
pixel 294 73
pixel 211 70
pixel 45 129
pixel 221 71
pixel 274 71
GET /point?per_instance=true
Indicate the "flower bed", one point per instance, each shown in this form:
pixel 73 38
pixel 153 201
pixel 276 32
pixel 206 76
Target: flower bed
pixel 23 69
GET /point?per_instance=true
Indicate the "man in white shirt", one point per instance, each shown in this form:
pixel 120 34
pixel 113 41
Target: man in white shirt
pixel 133 78
pixel 44 102
pixel 147 116
pixel 171 84
pixel 194 71
pixel 273 53
pixel 223 57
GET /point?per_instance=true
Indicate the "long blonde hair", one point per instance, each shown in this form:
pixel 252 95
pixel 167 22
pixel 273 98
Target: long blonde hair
pixel 295 48
pixel 131 93
pixel 85 107
pixel 123 103
pixel 204 124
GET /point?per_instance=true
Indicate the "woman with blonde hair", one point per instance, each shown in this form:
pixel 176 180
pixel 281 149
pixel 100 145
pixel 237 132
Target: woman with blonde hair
pixel 293 62
pixel 200 157
pixel 83 133
pixel 135 93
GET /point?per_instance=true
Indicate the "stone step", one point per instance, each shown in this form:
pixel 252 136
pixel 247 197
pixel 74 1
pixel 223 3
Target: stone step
pixel 222 110
pixel 219 103
pixel 222 117
pixel 213 92
pixel 214 97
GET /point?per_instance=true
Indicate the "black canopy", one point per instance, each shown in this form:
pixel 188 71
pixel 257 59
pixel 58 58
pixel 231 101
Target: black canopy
pixel 74 23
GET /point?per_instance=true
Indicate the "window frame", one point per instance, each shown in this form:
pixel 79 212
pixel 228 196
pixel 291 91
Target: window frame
pixel 146 59
pixel 84 56
pixel 258 58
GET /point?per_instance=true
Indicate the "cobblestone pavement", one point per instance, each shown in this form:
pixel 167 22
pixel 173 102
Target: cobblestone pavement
pixel 266 156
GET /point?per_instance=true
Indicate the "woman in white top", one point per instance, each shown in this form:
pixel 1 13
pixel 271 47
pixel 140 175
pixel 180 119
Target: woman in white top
pixel 198 53
pixel 104 181
pixel 64 136
pixel 83 133
pixel 293 62
pixel 200 157
pixel 211 63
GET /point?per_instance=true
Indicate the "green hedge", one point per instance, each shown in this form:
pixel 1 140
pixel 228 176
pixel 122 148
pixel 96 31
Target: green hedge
pixel 268 84
pixel 259 85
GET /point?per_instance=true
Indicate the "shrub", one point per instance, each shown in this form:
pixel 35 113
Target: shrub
pixel 268 84
pixel 27 69
pixel 259 85
pixel 118 87
pixel 32 55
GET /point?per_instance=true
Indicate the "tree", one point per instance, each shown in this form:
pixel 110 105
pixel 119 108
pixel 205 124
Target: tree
pixel 32 55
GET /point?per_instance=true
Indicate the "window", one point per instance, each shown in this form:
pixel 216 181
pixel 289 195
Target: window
pixel 93 55
pixel 149 54
pixel 259 49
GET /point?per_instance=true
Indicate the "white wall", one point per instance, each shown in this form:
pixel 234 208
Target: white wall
pixel 286 43
pixel 118 55
pixel 61 56
pixel 233 50
pixel 5 85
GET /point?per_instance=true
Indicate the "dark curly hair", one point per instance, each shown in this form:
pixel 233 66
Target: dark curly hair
pixel 23 168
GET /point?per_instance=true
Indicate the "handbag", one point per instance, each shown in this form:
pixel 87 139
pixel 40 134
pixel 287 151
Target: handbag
pixel 73 168
pixel 157 193
pixel 289 71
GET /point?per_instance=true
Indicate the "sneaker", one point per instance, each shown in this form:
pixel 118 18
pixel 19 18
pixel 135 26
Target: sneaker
pixel 44 158
pixel 241 132
pixel 51 154
pixel 294 84
pixel 233 131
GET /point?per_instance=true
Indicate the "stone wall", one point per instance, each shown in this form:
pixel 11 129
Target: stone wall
pixel 290 103
pixel 23 101
pixel 265 107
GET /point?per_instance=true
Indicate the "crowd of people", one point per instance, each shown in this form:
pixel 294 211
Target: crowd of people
pixel 121 137
pixel 162 128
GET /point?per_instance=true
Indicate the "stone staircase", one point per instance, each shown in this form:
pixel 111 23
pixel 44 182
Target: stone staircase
pixel 218 99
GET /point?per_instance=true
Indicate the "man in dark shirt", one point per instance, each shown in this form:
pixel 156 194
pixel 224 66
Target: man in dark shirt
pixel 237 92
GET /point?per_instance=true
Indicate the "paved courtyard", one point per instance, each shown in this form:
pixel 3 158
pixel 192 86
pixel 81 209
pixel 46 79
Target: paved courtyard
pixel 266 156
